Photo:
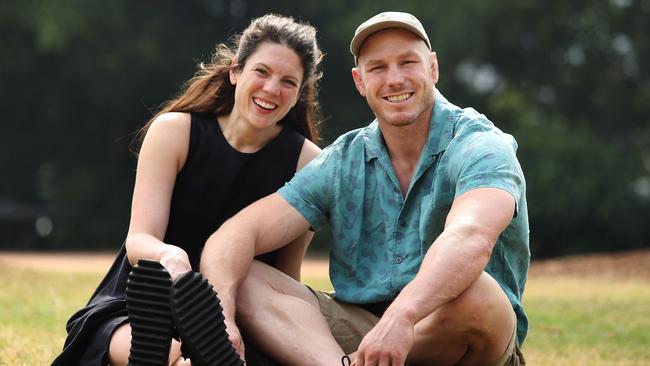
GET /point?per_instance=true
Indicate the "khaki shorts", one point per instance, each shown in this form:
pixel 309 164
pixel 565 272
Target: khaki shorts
pixel 350 323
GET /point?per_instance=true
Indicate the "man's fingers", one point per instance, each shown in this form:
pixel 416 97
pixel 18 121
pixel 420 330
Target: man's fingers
pixel 359 360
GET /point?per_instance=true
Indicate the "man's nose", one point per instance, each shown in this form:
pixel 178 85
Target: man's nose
pixel 394 76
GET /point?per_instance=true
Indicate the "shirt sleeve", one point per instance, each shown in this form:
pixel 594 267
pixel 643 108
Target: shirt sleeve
pixel 310 191
pixel 487 159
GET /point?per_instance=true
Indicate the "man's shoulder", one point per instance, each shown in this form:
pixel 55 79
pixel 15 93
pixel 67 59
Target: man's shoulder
pixel 469 120
pixel 473 131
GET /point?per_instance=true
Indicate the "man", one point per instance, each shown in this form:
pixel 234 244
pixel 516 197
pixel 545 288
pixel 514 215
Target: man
pixel 428 216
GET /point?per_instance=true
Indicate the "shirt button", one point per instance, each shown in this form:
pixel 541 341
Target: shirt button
pixel 396 189
pixel 402 223
pixel 398 259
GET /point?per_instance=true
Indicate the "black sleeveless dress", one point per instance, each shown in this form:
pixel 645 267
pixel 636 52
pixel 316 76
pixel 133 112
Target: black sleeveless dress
pixel 216 182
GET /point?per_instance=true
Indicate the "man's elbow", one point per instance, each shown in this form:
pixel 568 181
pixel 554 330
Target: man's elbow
pixel 478 239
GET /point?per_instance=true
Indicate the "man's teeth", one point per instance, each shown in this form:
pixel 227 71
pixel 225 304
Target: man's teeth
pixel 399 98
pixel 264 104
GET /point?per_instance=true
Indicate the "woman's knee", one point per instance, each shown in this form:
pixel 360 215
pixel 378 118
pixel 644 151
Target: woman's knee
pixel 120 345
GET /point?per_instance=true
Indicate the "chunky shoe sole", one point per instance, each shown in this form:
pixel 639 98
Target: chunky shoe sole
pixel 199 319
pixel 147 305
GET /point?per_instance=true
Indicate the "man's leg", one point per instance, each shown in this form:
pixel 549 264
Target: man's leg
pixel 284 318
pixel 473 329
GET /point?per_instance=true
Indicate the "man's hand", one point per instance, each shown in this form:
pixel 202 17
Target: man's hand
pixel 388 343
pixel 235 338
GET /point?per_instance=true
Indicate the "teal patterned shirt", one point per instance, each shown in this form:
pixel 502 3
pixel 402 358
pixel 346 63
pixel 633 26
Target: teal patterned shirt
pixel 379 237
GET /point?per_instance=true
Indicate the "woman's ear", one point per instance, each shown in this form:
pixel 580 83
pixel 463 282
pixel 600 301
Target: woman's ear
pixel 233 72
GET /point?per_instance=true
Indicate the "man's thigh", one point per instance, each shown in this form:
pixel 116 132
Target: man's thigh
pixel 349 323
pixel 265 280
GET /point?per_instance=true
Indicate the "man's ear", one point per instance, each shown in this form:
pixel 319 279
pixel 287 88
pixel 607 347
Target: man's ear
pixel 358 81
pixel 435 73
pixel 233 72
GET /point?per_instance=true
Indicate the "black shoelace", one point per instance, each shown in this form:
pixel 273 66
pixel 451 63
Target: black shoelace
pixel 346 358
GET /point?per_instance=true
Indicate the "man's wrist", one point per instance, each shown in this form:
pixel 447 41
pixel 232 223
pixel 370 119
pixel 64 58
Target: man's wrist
pixel 403 312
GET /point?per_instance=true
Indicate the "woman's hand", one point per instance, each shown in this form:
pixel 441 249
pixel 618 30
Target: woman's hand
pixel 175 260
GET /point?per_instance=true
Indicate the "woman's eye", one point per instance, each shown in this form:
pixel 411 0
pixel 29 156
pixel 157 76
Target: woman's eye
pixel 261 72
pixel 290 83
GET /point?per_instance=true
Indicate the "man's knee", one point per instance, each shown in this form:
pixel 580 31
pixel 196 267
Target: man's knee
pixel 263 284
pixel 254 285
pixel 479 308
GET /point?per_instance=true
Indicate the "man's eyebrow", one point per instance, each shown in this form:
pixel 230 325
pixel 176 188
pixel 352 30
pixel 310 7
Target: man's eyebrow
pixel 403 55
pixel 373 63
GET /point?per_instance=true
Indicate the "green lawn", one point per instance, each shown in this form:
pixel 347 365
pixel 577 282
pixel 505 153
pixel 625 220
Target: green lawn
pixel 573 321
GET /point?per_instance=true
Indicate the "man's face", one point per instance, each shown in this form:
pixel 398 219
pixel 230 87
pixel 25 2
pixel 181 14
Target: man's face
pixel 396 73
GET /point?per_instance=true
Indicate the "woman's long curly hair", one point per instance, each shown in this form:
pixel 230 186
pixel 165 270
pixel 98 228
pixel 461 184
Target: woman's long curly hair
pixel 209 91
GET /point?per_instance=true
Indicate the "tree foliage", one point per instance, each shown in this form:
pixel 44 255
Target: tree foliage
pixel 568 79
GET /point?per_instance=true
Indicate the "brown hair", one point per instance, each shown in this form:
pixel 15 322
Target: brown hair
pixel 209 91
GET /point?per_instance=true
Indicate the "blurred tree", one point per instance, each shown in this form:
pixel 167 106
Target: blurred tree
pixel 568 79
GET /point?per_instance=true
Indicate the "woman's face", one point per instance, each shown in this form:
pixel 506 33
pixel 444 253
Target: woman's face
pixel 267 86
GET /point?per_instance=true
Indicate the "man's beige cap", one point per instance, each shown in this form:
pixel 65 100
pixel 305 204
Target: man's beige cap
pixel 381 21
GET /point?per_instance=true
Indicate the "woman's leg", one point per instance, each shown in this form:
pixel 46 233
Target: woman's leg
pixel 118 350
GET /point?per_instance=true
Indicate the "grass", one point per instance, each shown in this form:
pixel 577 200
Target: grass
pixel 587 322
pixel 573 321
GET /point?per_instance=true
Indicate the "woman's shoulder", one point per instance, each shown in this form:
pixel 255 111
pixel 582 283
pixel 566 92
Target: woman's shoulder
pixel 172 120
pixel 308 153
pixel 170 127
pixel 168 135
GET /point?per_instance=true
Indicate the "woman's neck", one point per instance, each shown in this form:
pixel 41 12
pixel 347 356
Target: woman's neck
pixel 243 137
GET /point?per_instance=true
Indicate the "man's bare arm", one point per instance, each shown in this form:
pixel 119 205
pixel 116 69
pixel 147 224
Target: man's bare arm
pixel 454 261
pixel 263 226
pixel 459 255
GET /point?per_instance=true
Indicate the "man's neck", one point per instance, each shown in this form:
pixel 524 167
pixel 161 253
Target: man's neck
pixel 404 145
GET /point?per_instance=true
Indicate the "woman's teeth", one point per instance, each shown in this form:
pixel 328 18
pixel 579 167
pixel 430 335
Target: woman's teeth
pixel 264 104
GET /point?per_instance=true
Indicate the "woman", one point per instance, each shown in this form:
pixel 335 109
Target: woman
pixel 240 128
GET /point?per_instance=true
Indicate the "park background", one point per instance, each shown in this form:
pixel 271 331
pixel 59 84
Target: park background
pixel 568 79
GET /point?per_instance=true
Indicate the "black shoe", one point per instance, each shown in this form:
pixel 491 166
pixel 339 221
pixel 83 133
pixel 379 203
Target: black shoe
pixel 147 305
pixel 200 322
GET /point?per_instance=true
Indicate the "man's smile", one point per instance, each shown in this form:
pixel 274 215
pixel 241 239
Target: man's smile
pixel 398 98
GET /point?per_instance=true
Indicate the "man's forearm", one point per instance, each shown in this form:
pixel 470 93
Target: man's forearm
pixel 264 226
pixel 452 264
pixel 459 255
pixel 225 262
